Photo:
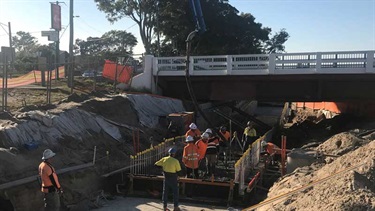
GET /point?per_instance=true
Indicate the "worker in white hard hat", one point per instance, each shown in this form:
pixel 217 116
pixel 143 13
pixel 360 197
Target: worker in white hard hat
pixel 193 132
pixel 202 147
pixel 50 182
pixel 190 157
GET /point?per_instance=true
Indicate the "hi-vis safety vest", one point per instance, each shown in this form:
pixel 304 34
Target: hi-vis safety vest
pixel 190 156
pixel 46 171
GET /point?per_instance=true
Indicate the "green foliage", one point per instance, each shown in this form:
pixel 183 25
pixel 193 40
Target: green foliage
pixel 228 32
pixel 27 51
pixel 142 12
pixel 110 45
pixel 275 44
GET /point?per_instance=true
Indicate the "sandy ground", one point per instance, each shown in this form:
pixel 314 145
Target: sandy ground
pixel 144 204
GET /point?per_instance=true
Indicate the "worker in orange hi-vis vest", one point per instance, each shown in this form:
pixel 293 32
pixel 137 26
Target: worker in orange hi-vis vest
pixel 202 147
pixel 190 158
pixel 224 144
pixel 193 132
pixel 270 148
pixel 50 182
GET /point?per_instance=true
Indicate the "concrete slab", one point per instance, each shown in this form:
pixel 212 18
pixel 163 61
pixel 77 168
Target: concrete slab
pixel 145 204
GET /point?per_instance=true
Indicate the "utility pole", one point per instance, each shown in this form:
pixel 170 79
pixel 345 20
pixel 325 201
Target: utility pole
pixel 10 35
pixel 71 56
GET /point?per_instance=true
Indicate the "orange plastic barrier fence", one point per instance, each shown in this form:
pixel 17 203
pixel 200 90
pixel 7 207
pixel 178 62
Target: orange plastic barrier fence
pixel 123 72
pixel 34 76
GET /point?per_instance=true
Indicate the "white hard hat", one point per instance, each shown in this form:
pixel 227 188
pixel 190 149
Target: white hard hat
pixel 47 154
pixel 189 139
pixel 205 135
pixel 193 126
pixel 263 143
pixel 208 130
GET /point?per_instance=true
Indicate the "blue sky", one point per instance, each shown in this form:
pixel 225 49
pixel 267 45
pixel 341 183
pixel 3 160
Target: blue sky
pixel 313 25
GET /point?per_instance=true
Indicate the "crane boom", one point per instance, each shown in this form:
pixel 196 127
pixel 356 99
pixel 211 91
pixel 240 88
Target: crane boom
pixel 198 16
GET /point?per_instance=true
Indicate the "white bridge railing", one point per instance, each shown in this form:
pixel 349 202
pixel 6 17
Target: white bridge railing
pixel 348 62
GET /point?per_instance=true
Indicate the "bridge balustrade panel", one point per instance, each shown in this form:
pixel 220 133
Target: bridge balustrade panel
pixel 346 62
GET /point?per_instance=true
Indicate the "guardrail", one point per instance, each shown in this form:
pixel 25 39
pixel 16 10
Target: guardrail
pixel 249 161
pixel 142 162
pixel 269 64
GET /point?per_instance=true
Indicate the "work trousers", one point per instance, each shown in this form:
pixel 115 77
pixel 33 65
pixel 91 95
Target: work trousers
pixel 211 160
pixel 51 201
pixel 192 173
pixel 170 182
pixel 249 141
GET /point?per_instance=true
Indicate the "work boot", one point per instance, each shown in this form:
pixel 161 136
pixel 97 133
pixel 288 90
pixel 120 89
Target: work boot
pixel 176 209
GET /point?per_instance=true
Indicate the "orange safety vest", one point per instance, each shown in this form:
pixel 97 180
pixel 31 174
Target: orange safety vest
pixel 202 147
pixel 226 135
pixel 190 156
pixel 45 170
pixel 272 149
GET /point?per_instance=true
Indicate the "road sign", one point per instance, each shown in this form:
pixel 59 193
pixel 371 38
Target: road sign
pixel 7 53
pixel 52 35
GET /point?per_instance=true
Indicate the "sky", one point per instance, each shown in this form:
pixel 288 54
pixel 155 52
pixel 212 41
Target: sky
pixel 313 25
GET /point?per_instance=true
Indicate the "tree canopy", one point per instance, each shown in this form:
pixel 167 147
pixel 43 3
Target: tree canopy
pixel 142 12
pixel 228 31
pixel 110 44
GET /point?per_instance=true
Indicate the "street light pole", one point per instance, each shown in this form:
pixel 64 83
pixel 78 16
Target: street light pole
pixel 71 57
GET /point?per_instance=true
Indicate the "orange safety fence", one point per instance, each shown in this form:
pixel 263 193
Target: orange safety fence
pixel 123 72
pixel 34 76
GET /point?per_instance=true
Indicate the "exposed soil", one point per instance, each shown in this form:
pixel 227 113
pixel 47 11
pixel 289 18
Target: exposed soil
pixel 350 143
pixel 332 186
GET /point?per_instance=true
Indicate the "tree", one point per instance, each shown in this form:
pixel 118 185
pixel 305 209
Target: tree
pixel 228 32
pixel 143 12
pixel 276 43
pixel 112 43
pixel 24 43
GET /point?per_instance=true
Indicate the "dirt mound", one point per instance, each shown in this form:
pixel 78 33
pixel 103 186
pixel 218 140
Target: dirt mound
pixel 340 144
pixel 347 190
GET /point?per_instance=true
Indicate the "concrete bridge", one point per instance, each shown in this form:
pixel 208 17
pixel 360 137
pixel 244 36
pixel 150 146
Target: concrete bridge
pixel 322 76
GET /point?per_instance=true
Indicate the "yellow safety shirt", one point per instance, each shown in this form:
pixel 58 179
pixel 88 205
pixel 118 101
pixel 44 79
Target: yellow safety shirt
pixel 169 164
pixel 250 132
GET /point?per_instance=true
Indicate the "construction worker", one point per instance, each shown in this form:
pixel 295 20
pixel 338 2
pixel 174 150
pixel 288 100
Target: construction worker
pixel 225 134
pixel 270 148
pixel 224 144
pixel 50 182
pixel 211 155
pixel 209 132
pixel 202 147
pixel 249 135
pixel 171 170
pixel 193 132
pixel 190 158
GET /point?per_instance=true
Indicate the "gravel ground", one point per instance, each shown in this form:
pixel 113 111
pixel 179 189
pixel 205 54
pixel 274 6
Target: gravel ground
pixel 144 204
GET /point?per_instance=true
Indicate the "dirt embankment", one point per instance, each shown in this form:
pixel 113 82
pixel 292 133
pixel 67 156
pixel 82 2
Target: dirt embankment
pixel 22 161
pixel 328 184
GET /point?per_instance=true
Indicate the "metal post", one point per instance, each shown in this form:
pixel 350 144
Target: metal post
pixel 6 85
pixel 71 56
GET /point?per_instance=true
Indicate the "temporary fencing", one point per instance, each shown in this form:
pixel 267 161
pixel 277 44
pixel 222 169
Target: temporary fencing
pixel 142 162
pixel 34 76
pixel 249 161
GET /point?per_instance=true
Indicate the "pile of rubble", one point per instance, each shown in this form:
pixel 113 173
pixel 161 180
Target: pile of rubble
pixel 345 182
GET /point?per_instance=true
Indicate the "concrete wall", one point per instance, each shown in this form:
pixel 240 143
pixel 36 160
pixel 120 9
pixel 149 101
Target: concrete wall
pixel 145 79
